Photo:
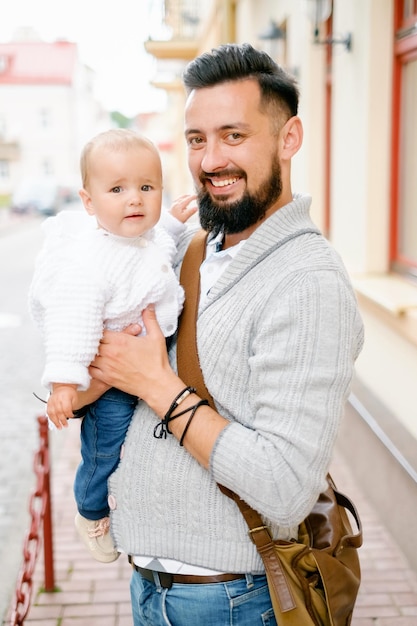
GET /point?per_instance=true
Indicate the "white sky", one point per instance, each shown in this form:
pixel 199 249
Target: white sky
pixel 110 36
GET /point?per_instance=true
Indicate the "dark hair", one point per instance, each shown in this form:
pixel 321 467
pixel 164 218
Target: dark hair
pixel 231 62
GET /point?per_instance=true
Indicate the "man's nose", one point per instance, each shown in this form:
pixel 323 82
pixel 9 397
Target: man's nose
pixel 214 157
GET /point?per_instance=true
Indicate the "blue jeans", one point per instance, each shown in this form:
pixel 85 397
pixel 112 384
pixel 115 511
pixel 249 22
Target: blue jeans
pixel 243 602
pixel 103 431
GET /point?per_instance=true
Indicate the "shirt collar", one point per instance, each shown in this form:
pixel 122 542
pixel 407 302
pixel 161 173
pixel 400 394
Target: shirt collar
pixel 214 247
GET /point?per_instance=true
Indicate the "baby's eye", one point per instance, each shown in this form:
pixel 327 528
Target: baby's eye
pixel 146 188
pixel 117 189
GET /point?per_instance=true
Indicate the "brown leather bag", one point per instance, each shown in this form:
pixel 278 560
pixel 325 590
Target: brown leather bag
pixel 313 581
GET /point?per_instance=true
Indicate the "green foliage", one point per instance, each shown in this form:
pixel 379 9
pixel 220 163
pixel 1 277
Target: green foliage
pixel 120 120
pixel 5 200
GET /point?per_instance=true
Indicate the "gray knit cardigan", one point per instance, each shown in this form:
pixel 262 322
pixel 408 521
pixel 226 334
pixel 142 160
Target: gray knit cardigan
pixel 277 343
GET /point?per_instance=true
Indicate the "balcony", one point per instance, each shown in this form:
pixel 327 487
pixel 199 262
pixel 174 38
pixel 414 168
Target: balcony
pixel 179 35
pixel 9 150
pixel 172 49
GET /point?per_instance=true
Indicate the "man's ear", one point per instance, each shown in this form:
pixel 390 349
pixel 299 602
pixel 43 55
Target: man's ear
pixel 86 199
pixel 291 137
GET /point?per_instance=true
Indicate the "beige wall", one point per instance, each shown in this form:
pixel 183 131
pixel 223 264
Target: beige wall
pixel 361 135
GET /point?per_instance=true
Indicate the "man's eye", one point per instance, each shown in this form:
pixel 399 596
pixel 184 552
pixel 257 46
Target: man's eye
pixel 195 141
pixel 116 189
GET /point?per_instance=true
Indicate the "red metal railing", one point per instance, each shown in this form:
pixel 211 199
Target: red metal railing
pixel 41 519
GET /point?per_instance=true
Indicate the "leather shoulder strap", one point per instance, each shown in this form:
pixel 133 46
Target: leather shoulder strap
pixel 187 355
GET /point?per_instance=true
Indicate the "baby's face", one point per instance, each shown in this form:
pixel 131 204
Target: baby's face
pixel 125 190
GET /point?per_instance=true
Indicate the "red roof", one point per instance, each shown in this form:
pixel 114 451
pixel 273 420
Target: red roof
pixel 36 62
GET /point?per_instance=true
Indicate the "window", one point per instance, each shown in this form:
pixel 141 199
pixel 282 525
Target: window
pixel 404 140
pixel 4 171
pixel 47 167
pixel 4 63
pixel 45 118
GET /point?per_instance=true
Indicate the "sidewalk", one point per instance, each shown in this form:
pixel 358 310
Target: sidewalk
pixel 388 593
pixel 95 594
pixel 89 593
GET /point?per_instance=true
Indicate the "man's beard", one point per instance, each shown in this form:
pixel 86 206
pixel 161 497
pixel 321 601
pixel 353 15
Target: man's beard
pixel 235 217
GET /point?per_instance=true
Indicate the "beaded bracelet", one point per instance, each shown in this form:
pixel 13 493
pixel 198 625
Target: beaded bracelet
pixel 193 412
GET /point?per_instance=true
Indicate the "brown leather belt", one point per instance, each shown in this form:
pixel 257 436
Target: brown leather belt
pixel 166 580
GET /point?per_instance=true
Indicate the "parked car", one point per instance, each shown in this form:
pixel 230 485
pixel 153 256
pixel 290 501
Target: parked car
pixel 41 196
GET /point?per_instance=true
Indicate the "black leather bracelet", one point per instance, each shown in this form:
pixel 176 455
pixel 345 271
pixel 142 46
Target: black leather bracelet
pixel 193 412
pixel 178 399
pixel 161 429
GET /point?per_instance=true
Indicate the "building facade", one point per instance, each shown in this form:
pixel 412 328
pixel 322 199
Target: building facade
pixel 47 112
pixel 356 63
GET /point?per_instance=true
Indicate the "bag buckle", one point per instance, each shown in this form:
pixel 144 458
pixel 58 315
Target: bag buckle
pixel 262 530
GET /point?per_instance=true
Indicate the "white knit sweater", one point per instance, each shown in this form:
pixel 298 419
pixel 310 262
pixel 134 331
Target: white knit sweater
pixel 277 342
pixel 87 279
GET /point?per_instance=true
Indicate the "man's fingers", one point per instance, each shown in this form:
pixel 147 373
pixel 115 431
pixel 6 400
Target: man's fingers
pixel 133 329
pixel 149 320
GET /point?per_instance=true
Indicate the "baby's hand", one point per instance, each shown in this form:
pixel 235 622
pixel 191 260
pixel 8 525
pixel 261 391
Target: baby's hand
pixel 180 207
pixel 61 404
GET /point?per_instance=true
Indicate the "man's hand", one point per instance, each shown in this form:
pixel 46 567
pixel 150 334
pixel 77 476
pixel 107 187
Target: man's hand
pixel 140 366
pixel 137 365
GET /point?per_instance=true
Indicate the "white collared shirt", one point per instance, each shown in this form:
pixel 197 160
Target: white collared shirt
pixel 215 263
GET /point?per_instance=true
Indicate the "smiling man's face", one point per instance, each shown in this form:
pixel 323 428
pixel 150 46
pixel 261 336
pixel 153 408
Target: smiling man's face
pixel 232 155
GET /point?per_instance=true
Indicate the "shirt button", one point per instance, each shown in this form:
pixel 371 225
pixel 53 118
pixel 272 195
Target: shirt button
pixel 164 268
pixel 143 243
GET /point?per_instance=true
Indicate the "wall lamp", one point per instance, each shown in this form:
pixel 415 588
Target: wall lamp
pixel 319 11
pixel 272 32
pixel 272 41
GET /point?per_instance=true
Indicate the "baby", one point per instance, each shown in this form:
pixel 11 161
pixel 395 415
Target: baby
pixel 96 270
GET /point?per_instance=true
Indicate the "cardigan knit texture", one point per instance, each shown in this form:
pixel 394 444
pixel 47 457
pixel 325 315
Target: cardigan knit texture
pixel 87 279
pixel 277 339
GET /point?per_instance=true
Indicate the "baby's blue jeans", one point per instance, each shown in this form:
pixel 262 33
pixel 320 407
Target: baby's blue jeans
pixel 103 431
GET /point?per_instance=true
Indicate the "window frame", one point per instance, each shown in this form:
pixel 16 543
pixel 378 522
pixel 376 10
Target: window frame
pixel 404 51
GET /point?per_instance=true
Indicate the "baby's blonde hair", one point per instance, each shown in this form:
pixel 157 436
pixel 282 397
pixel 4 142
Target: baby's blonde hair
pixel 114 139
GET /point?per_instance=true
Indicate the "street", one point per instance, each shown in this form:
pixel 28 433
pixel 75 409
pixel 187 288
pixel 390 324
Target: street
pixel 21 361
